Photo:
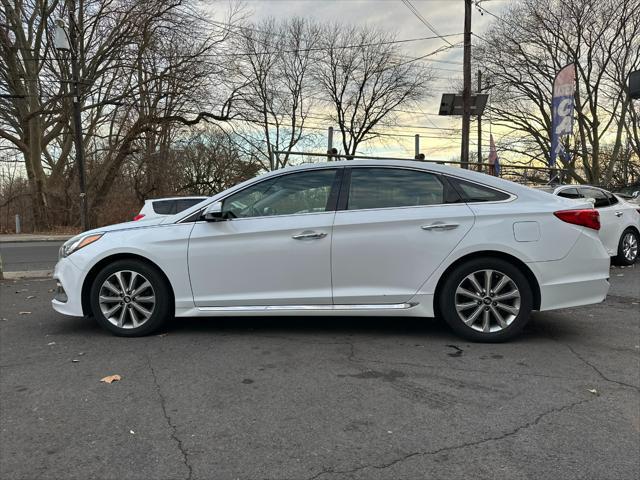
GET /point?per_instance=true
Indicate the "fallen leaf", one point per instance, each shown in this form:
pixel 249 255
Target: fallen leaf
pixel 620 275
pixel 30 297
pixel 80 354
pixel 75 360
pixel 111 379
pixel 51 343
pixel 132 432
pixel 593 390
pixel 24 313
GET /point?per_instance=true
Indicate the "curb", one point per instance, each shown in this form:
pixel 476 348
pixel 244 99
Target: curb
pixel 27 274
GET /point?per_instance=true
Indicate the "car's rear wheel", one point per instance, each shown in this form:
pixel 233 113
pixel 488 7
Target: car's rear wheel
pixel 627 248
pixel 130 298
pixel 486 300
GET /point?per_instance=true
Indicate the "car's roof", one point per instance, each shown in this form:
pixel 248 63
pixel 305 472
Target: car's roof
pixel 196 197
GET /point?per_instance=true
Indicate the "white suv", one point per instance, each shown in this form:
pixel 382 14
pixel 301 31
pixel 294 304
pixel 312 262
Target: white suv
pixel 619 219
pixel 159 207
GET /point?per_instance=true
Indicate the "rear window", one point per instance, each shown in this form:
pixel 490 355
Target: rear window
pixel 165 207
pixel 472 192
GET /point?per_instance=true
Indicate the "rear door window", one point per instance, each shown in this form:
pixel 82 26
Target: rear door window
pixel 165 207
pixel 185 203
pixel 612 198
pixel 599 196
pixel 373 188
pixel 569 193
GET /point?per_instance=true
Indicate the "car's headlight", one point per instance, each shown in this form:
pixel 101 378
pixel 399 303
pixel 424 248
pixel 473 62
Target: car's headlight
pixel 76 244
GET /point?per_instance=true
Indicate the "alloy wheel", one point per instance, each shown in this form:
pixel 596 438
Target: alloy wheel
pixel 127 299
pixel 630 247
pixel 487 301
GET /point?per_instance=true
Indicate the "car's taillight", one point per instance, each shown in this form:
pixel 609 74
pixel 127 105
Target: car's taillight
pixel 589 218
pixel 138 217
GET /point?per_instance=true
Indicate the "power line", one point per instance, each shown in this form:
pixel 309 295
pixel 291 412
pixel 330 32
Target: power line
pixel 420 17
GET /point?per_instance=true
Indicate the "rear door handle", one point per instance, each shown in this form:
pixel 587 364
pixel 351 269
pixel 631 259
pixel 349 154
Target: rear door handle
pixel 618 214
pixel 309 235
pixel 440 226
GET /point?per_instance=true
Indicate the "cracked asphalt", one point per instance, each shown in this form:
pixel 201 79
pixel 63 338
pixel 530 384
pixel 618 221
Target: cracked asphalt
pixel 320 398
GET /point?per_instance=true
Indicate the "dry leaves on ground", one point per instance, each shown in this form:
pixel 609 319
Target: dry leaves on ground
pixel 111 379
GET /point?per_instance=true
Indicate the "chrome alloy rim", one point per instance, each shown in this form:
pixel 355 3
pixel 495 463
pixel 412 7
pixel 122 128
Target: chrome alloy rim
pixel 127 299
pixel 487 301
pixel 630 247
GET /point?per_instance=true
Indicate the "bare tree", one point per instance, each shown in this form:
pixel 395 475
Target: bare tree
pixel 211 162
pixel 145 64
pixel 363 75
pixel 273 69
pixel 531 43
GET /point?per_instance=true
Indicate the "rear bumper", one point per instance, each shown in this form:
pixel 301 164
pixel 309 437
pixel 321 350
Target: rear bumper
pixel 580 278
pixel 70 279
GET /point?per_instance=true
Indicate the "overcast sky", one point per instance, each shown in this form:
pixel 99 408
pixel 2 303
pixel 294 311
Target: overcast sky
pixel 447 16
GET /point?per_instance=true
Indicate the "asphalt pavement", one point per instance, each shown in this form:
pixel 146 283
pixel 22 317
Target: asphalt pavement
pixel 25 256
pixel 319 398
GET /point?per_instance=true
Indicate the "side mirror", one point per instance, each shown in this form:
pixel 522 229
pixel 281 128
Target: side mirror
pixel 635 194
pixel 213 213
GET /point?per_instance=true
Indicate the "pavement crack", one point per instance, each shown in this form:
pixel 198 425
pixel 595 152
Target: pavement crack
pixel 495 438
pixel 598 371
pixel 172 427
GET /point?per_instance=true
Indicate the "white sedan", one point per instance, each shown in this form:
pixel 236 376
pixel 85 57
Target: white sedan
pixel 345 238
pixel 620 220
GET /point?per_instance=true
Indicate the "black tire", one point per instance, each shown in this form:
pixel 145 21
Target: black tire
pixel 621 259
pixel 447 299
pixel 160 309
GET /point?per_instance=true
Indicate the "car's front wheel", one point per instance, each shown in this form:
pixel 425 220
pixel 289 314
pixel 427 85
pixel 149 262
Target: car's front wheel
pixel 627 248
pixel 486 300
pixel 130 298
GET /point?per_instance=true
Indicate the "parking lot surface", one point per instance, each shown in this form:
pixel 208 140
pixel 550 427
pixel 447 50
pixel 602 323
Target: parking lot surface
pixel 320 398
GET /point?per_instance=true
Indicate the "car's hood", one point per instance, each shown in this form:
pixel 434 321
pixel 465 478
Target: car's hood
pixel 151 222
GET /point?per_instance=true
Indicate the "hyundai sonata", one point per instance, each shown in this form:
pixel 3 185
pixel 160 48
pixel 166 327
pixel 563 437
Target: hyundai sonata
pixel 384 238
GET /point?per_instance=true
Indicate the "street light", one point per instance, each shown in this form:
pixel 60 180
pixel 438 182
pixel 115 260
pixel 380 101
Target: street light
pixel 67 42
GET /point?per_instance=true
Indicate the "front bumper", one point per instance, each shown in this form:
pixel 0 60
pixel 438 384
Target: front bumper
pixel 69 278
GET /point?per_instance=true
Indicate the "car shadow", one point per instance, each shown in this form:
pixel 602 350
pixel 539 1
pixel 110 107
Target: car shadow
pixel 543 326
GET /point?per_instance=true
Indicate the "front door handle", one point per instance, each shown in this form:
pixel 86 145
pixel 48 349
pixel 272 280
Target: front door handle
pixel 618 214
pixel 309 235
pixel 440 226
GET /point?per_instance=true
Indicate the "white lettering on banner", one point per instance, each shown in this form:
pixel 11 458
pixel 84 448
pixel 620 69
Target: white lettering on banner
pixel 564 127
pixel 563 90
pixel 564 107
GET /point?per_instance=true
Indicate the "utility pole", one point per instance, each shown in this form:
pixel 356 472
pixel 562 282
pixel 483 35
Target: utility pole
pixel 77 113
pixel 466 91
pixel 479 125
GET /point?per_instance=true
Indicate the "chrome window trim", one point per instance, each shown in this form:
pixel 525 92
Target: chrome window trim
pixel 511 198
